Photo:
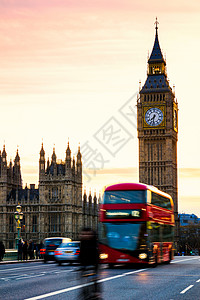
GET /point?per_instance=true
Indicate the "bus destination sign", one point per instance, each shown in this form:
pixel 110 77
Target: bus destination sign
pixel 123 214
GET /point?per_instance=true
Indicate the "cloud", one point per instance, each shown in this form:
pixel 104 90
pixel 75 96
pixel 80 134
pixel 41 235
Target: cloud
pixel 115 171
pixel 193 207
pixel 189 172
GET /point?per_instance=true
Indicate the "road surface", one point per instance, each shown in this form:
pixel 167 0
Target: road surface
pixel 179 280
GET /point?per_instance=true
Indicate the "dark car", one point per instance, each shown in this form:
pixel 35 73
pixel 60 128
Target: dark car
pixel 50 245
pixel 67 252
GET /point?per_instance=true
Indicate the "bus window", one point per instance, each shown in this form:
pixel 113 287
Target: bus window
pixel 154 232
pixel 161 201
pixel 123 236
pixel 125 197
pixel 167 233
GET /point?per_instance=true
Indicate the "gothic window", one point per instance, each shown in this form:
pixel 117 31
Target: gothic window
pixel 161 175
pixel 55 193
pixel 60 193
pixel 148 152
pixel 55 222
pixel 151 152
pixel 59 223
pixel 11 245
pixel 34 223
pixel 11 225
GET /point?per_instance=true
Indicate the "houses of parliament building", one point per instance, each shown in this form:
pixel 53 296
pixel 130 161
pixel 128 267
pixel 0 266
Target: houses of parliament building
pixel 56 208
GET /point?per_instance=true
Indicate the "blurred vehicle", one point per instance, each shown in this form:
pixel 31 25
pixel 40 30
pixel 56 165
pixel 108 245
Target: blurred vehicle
pixel 50 245
pixel 136 225
pixel 67 252
pixel 194 252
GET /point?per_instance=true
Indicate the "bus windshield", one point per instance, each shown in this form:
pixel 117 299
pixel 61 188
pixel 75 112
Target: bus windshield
pixel 123 236
pixel 115 197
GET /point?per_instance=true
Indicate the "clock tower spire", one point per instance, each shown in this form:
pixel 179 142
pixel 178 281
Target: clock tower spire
pixel 157 114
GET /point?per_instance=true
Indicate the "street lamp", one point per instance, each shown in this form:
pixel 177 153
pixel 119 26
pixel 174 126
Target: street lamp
pixel 18 217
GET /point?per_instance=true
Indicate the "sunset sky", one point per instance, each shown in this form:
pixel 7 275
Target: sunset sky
pixel 70 68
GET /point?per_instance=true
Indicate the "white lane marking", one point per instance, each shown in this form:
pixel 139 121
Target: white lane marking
pixel 59 292
pixel 121 275
pixel 82 285
pixel 5 270
pixel 26 276
pixel 32 276
pixel 65 271
pixel 198 280
pixel 185 290
pixel 15 276
pixel 179 261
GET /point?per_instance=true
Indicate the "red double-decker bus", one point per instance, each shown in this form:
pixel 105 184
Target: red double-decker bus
pixel 136 225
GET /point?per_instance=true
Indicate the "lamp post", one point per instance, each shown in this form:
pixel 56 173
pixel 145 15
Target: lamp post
pixel 18 217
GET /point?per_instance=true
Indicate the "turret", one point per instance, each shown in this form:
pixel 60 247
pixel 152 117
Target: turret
pixel 4 165
pixel 73 167
pixel 4 162
pixel 79 163
pixel 53 161
pixel 157 81
pixel 48 165
pixel 17 171
pixel 156 62
pixel 68 157
pixel 42 162
pixel 10 172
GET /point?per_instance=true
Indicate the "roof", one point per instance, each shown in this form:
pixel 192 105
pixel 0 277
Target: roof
pixel 156 54
pixel 135 186
pixel 127 186
pixel 60 169
pixel 156 83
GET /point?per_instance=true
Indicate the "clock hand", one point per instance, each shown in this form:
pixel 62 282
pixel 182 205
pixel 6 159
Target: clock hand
pixel 153 117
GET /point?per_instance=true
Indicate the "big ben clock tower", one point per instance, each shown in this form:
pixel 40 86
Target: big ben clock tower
pixel 157 117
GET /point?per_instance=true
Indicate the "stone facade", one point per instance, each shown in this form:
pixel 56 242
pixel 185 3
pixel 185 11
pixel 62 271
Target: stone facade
pixel 56 208
pixel 157 127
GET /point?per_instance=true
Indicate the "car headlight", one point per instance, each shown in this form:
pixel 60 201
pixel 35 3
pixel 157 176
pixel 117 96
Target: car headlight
pixel 142 255
pixel 103 256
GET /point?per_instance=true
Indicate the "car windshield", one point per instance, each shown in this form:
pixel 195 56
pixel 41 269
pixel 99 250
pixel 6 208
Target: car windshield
pixel 126 236
pixel 70 245
pixel 52 242
pixel 116 197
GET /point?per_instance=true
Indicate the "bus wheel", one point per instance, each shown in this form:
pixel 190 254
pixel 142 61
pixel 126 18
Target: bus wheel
pixel 170 258
pixel 110 266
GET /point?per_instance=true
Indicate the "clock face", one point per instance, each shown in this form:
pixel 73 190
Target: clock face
pixel 175 119
pixel 154 116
